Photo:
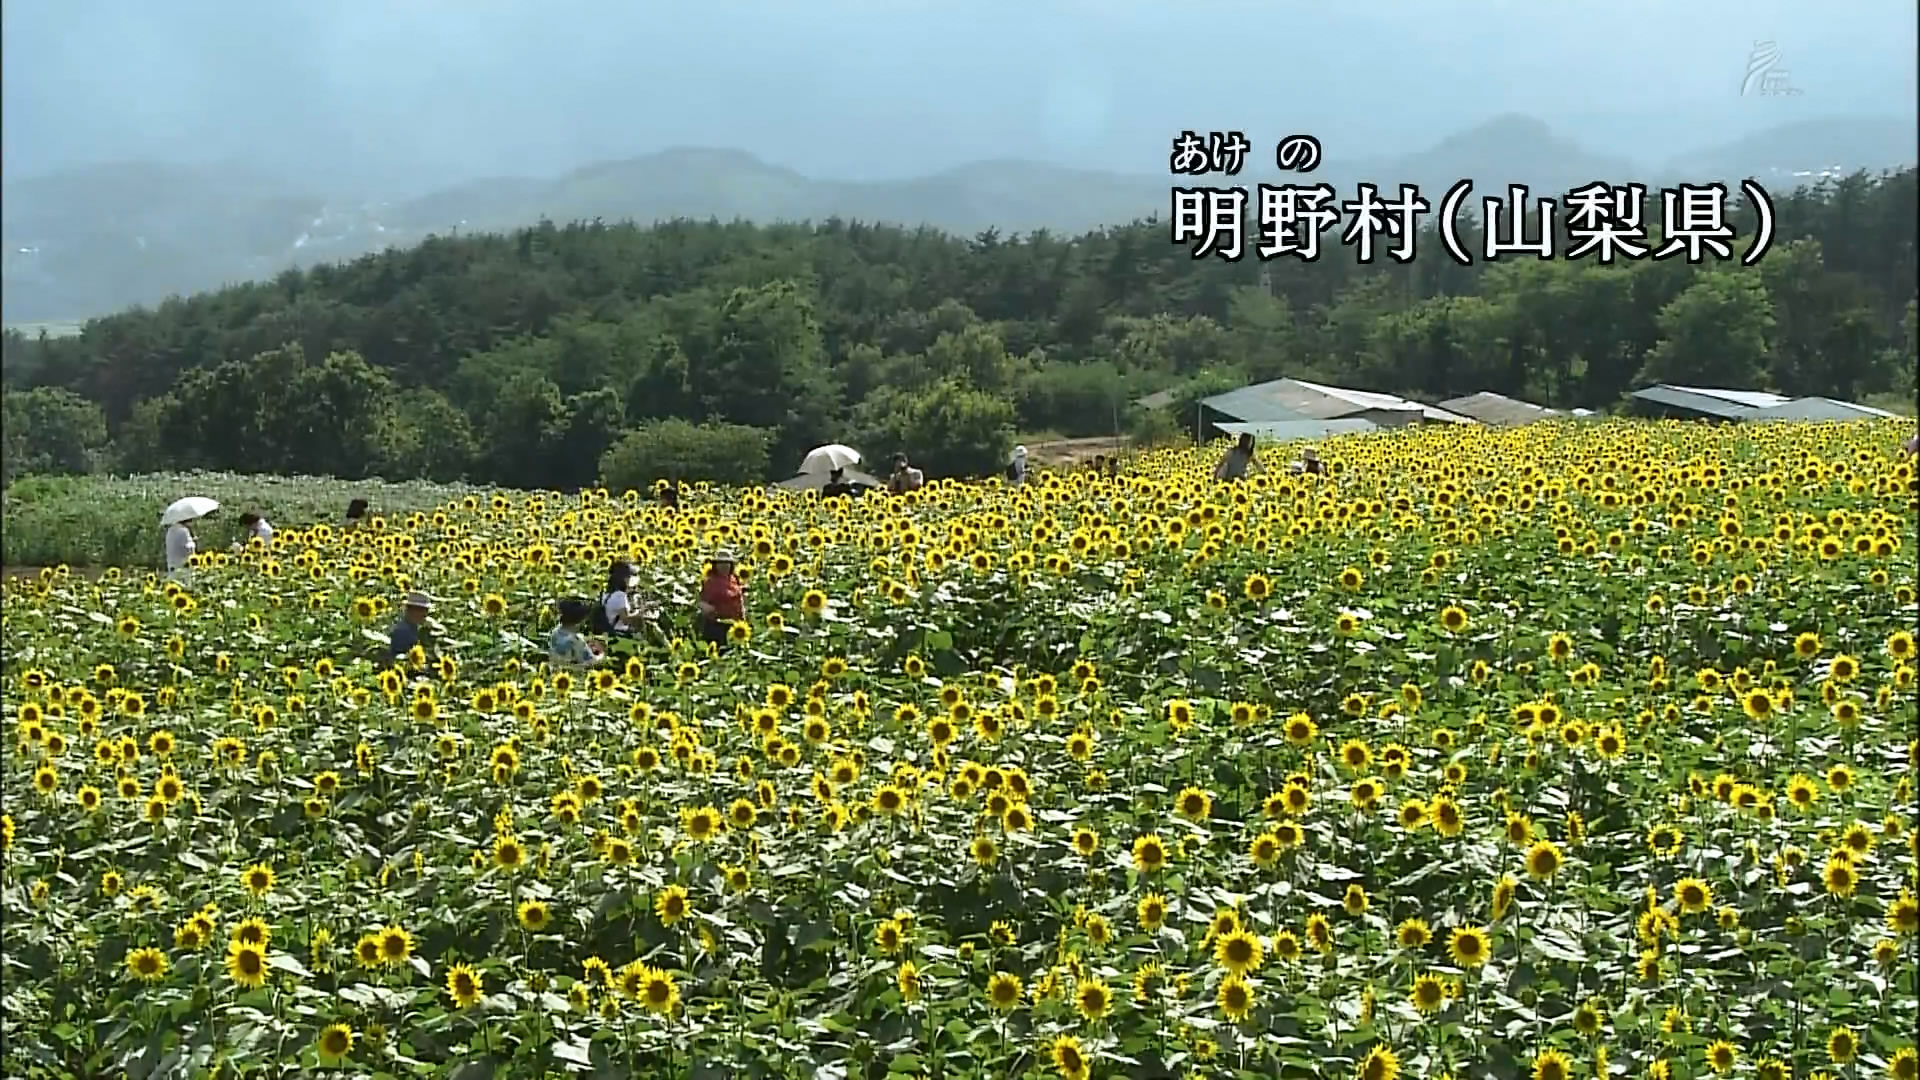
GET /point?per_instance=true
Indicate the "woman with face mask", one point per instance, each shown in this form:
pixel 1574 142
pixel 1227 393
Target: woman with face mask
pixel 621 613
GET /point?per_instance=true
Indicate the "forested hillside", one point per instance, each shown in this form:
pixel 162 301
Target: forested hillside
pixel 522 359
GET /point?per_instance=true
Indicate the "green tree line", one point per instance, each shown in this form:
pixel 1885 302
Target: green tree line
pixel 562 354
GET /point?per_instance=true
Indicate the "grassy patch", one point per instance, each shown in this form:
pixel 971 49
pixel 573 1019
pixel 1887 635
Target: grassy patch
pixel 115 521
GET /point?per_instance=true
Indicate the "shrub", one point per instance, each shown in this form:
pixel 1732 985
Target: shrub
pixel 1075 400
pixel 948 429
pixel 50 430
pixel 678 450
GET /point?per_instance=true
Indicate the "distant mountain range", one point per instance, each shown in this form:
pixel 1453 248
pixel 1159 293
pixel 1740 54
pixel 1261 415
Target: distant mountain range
pixel 89 242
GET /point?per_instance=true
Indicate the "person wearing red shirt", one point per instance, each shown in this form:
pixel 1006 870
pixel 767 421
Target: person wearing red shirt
pixel 722 598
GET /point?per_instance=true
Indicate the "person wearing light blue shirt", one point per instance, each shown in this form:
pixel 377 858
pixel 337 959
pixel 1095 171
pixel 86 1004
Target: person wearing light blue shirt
pixel 567 648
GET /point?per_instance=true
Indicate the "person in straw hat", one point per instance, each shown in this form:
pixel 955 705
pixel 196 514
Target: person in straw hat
pixel 722 598
pixel 406 632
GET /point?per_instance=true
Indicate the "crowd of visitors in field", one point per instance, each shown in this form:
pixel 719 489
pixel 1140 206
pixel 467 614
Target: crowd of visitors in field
pixel 619 619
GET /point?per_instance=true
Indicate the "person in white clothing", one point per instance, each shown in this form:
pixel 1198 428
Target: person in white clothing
pixel 256 526
pixel 617 607
pixel 180 549
pixel 623 613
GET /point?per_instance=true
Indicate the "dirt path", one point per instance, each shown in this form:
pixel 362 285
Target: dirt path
pixel 1070 452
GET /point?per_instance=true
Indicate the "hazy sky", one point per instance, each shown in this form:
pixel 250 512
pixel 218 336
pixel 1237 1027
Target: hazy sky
pixel 412 94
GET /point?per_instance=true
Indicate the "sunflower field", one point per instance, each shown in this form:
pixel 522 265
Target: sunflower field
pixel 1575 750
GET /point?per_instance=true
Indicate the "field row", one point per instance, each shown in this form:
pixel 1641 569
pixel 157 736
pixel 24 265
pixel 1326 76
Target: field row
pixel 1568 751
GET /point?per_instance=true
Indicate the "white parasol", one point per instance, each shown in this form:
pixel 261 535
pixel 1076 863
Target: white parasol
pixel 816 481
pixel 822 460
pixel 189 508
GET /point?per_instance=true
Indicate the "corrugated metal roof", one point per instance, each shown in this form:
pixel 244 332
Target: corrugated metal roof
pixel 1359 399
pixel 1285 430
pixel 1312 402
pixel 1157 400
pixel 1491 408
pixel 1259 403
pixel 1819 408
pixel 1297 399
pixel 1388 418
pixel 1752 399
pixel 1436 414
pixel 1674 397
pixel 1369 400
